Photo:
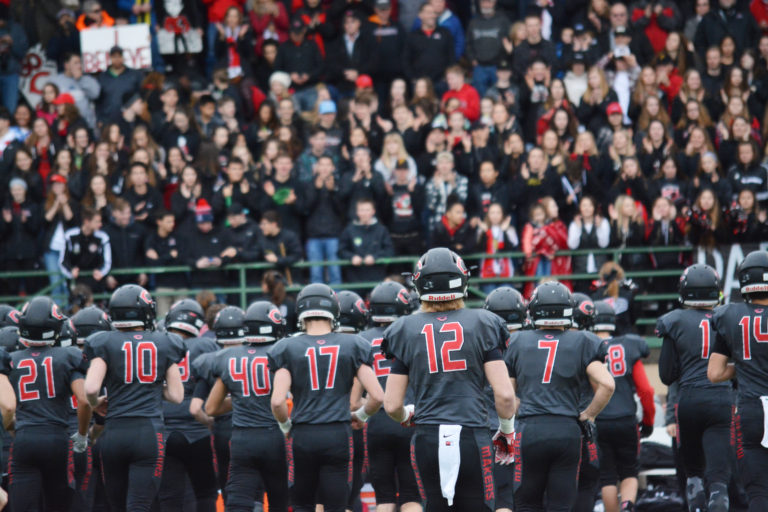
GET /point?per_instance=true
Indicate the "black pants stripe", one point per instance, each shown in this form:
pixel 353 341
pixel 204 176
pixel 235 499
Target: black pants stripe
pixel 132 458
pixel 257 463
pixel 322 466
pixel 41 466
pixel 547 458
pixel 475 485
pixel 751 455
pixel 589 477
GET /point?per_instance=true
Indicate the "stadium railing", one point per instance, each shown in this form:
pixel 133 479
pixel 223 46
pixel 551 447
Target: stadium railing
pixel 243 289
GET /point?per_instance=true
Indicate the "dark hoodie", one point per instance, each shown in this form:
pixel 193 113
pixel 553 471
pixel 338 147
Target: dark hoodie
pixel 461 239
pixel 363 240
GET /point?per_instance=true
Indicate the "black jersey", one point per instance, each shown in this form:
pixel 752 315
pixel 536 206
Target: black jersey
pixel 42 378
pixel 444 354
pixel 550 368
pixel 203 370
pixel 322 369
pixel 177 417
pixel 136 365
pixel 245 372
pixel 688 338
pixel 587 393
pixel 621 354
pixel 742 334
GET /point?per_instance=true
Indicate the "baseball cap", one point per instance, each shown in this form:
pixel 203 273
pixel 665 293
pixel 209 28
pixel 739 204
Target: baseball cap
pixel 613 108
pixel 58 178
pixel 236 209
pixel 297 24
pixel 579 29
pixel 351 13
pixel 65 12
pixel 364 82
pixel 64 99
pixel 115 49
pixel 382 4
pixel 326 107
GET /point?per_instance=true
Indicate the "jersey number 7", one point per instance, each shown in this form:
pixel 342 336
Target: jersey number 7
pixel 448 346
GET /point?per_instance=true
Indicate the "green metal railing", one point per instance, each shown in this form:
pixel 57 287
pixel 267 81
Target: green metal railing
pixel 244 288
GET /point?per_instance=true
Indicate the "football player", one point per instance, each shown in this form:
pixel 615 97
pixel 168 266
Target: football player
pixel 318 368
pixel 703 412
pixel 507 303
pixel 9 316
pixel 257 445
pixel 589 471
pixel 445 353
pixel 741 336
pixel 43 378
pixel 87 473
pixel 228 327
pixel 548 366
pixel 389 444
pixel 188 448
pixel 353 318
pixel 617 428
pixel 139 369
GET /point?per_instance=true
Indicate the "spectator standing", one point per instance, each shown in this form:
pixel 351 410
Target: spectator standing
pixel 241 237
pixel 588 230
pixel 301 59
pixel 727 19
pixel 13 48
pixel 61 213
pixel 627 230
pixel 469 99
pixel 484 44
pixel 203 249
pixel 93 16
pixel 363 242
pixel 316 149
pixel 444 182
pixel 362 182
pixel 117 84
pixel 496 234
pixel 234 45
pixel 543 236
pixel 269 21
pixel 161 248
pixel 141 193
pixel 87 255
pixel 283 194
pixel 19 229
pixel 387 46
pixel 324 220
pixel 65 38
pixel 406 199
pixel 349 56
pixel 429 48
pixel 84 89
pixel 454 231
pixel 238 188
pixel 280 246
pixel 446 19
pixel 534 48
pixel 217 10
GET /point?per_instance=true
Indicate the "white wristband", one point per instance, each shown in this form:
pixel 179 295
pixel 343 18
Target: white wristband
pixel 507 426
pixel 407 412
pixel 285 426
pixel 361 414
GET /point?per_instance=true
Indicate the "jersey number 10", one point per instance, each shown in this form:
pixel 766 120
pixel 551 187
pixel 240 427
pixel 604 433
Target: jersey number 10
pixel 144 354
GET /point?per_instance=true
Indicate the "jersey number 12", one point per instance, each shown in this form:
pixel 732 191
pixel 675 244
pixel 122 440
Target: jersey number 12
pixel 448 346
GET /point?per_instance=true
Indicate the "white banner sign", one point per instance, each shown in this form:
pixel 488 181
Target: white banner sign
pixel 35 70
pixel 133 39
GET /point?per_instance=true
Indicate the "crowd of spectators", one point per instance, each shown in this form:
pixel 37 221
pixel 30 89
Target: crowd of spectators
pixel 362 129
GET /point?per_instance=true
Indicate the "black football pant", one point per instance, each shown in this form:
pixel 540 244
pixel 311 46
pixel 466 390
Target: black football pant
pixel 222 433
pixel 257 462
pixel 41 465
pixel 359 466
pixel 547 459
pixel 320 466
pixel 194 459
pixel 85 482
pixel 132 458
pixel 703 434
pixel 474 487
pixel 750 454
pixel 389 454
pixel 619 443
pixel 503 478
pixel 589 476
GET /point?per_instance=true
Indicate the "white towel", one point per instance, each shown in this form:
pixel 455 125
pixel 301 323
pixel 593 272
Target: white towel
pixel 449 457
pixel 764 442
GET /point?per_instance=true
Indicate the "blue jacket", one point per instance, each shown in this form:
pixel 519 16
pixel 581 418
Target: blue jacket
pixel 18 48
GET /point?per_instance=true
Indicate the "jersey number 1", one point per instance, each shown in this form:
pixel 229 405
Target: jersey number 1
pixel 145 355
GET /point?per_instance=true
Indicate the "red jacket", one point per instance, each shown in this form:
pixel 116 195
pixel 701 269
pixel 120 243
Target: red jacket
pixel 470 101
pixel 217 9
pixel 260 24
pixel 760 11
pixel 540 242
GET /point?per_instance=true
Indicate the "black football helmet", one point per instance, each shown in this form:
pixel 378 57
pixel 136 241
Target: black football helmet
pixel 229 326
pixel 317 301
pixel 753 273
pixel 187 316
pixel 583 311
pixel 440 276
pixel 8 315
pixel 605 317
pixel 551 305
pixel 132 306
pixel 88 321
pixel 264 323
pixel 40 322
pixel 389 301
pixel 507 303
pixel 699 287
pixel 353 313
pixel 67 335
pixel 9 338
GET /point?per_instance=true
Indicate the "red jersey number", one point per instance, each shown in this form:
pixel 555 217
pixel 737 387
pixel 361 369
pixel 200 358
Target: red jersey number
pixel 448 363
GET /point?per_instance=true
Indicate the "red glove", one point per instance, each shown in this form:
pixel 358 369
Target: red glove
pixel 505 447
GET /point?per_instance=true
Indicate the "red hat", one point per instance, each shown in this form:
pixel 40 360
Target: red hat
pixel 58 178
pixel 64 99
pixel 364 82
pixel 203 211
pixel 613 108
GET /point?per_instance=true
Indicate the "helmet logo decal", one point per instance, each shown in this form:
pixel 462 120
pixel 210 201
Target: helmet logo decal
pixel 587 307
pixel 146 297
pixel 462 266
pixel 418 270
pixel 55 313
pixel 275 316
pixel 14 316
pixel 402 296
pixel 360 305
